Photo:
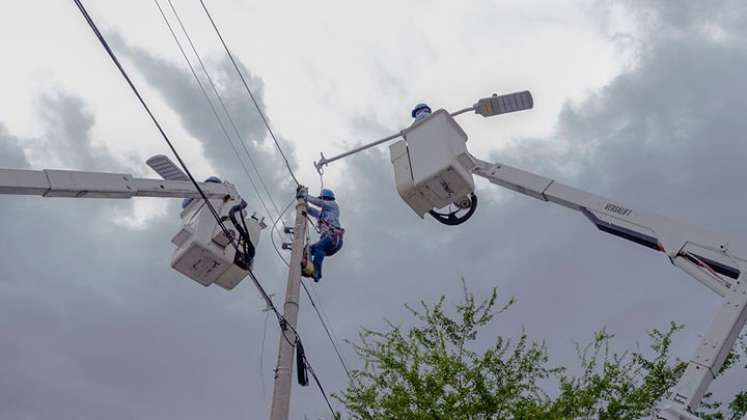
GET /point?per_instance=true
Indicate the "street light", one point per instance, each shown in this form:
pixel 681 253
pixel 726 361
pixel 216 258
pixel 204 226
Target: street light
pixel 503 104
pixel 487 107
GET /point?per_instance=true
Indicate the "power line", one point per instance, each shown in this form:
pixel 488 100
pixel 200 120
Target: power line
pixel 109 51
pixel 327 320
pixel 212 107
pixel 329 333
pixel 281 319
pixel 272 231
pixel 262 356
pixel 251 95
pixel 225 109
pixel 328 330
pixel 283 324
pixel 318 384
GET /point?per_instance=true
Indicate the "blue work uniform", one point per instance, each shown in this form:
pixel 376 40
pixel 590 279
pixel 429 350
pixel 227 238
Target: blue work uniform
pixel 331 233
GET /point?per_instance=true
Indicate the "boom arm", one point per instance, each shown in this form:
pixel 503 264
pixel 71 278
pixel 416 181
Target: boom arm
pixel 203 244
pixel 59 183
pixel 701 254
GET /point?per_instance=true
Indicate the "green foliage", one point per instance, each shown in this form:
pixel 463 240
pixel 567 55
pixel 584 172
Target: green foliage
pixel 434 371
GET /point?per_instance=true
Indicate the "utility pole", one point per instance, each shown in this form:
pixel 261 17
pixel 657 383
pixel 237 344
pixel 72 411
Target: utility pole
pixel 284 370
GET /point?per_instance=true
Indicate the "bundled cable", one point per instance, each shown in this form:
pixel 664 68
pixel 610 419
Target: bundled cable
pixel 248 246
pixel 246 257
pixel 301 371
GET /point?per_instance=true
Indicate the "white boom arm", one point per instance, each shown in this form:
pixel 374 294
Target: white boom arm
pixel 59 183
pixel 203 252
pixel 701 254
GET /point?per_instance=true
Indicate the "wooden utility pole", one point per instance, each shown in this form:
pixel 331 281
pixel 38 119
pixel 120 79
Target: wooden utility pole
pixel 284 370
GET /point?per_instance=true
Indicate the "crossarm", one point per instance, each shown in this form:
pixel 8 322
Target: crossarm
pixel 77 184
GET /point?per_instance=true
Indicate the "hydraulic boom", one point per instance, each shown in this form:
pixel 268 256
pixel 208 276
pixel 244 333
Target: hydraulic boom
pixel 209 249
pixel 77 184
pixel 433 174
pixel 703 255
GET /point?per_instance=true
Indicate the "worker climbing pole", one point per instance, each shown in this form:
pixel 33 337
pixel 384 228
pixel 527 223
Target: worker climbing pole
pixel 331 233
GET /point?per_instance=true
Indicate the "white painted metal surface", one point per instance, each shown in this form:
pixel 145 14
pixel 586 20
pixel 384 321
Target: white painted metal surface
pixel 203 251
pixel 705 256
pixel 57 183
pixel 429 163
pixel 166 168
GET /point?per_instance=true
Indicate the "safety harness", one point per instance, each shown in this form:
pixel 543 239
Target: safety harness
pixel 335 231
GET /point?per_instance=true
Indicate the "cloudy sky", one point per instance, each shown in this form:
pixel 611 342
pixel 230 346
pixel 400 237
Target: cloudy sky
pixel 640 101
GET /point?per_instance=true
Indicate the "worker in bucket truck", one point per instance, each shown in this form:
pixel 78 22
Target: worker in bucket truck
pixel 421 111
pixel 325 209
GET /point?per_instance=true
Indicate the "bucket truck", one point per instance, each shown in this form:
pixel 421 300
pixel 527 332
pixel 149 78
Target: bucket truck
pixel 205 252
pixel 433 173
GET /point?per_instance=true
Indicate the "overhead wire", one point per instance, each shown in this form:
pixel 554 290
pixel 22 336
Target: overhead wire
pixel 331 329
pixel 329 333
pixel 319 384
pixel 262 355
pixel 272 231
pixel 251 95
pixel 327 329
pixel 224 107
pixel 122 71
pixel 283 326
pixel 283 323
pixel 212 106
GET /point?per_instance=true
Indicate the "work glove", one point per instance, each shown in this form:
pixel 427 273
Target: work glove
pixel 301 192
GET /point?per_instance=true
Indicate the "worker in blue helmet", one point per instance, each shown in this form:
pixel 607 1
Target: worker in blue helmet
pixel 421 111
pixel 188 201
pixel 325 209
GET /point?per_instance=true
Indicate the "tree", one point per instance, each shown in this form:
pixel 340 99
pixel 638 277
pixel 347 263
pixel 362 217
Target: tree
pixel 433 371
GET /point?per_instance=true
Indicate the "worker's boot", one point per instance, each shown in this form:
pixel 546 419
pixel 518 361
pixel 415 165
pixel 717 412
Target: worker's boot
pixel 307 269
pixel 316 275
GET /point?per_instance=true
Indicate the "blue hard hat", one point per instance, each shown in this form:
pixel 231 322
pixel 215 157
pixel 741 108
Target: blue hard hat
pixel 326 193
pixel 188 201
pixel 418 107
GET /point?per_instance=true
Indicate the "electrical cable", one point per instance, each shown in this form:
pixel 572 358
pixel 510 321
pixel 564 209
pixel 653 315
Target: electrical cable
pixel 251 95
pixel 281 319
pixel 327 330
pixel 283 326
pixel 330 335
pixel 319 385
pixel 302 373
pixel 224 107
pixel 109 51
pixel 272 237
pixel 262 356
pixel 212 106
pixel 326 319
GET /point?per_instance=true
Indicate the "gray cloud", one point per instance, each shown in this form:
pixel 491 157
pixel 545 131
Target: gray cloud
pixel 179 89
pixel 11 152
pixel 95 324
